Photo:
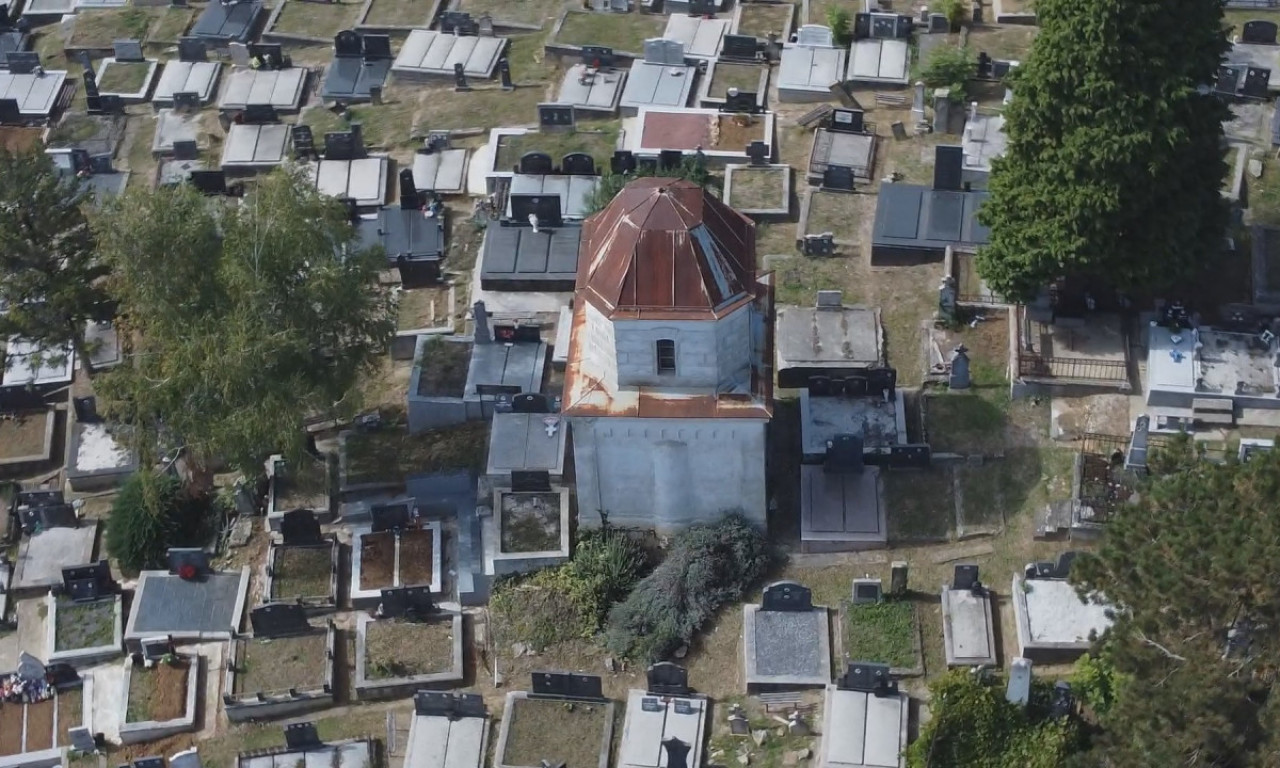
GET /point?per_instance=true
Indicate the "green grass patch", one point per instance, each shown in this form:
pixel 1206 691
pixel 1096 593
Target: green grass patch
pixel 832 212
pixel 600 144
pixel 317 19
pixel 921 504
pixel 727 74
pixel 98 29
pixel 967 423
pixel 758 188
pixel 799 278
pixel 619 31
pixel 391 454
pixel 124 76
pixel 170 24
pixel 883 632
pixel 84 625
pixel 1264 194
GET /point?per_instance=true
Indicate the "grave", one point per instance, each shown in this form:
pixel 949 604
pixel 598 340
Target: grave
pixel 846 141
pixel 30 95
pixel 865 719
pixel 720 137
pixel 831 339
pixel 984 140
pixel 1210 369
pixel 693 7
pixel 360 66
pixel 448 730
pixel 1053 623
pixel 749 79
pixel 842 511
pixel 520 258
pixel 809 66
pixel 84 623
pixel 529 527
pixel 867 406
pixel 762 192
pixel 345 169
pixel 572 190
pixel 93 171
pixel 127 74
pixel 255 147
pixel 221 24
pixel 290 488
pixel 916 223
pixel 26 439
pixel 285 668
pixel 159 698
pixel 279 89
pixel 559 703
pixel 881 51
pixel 1234 76
pixel 967 629
pixel 60 542
pixel 700 36
pixel 409 556
pixel 31 365
pixel 189 603
pixel 191 72
pixel 660 79
pixel 412 234
pixel 403 651
pixel 173 126
pixel 303 572
pixel 663 720
pixel 527 441
pixel 40 729
pixel 427 55
pixel 594 84
pixel 440 169
pixel 11 41
pixel 786 640
pixel 100 457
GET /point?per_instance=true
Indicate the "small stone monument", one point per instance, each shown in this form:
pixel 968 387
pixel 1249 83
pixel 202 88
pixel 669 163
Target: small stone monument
pixel 899 130
pixel 504 69
pixel 917 102
pixel 947 297
pixel 941 110
pixel 1019 688
pixel 738 724
pixel 898 578
pixel 959 378
pixel 460 78
pixel 239 54
pixel 796 726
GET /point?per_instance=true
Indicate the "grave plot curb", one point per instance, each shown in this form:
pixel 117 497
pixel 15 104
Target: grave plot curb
pixel 364 688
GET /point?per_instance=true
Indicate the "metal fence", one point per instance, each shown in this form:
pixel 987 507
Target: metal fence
pixel 1076 368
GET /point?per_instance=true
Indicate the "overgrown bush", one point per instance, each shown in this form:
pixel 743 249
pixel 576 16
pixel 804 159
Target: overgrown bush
pixel 951 67
pixel 1096 681
pixel 706 567
pixel 841 25
pixel 954 10
pixel 570 601
pixel 972 724
pixel 152 513
pixel 691 168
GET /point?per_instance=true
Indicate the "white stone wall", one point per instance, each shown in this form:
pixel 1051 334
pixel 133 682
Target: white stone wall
pixel 668 473
pixel 710 354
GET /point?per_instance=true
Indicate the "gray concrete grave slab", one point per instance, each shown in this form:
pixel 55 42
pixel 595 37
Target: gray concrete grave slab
pixel 967 629
pixel 353 753
pixel 527 441
pixel 701 37
pixel 591 89
pixel 833 340
pixel 842 512
pixel 1053 623
pixel 99 457
pixel 880 423
pixel 427 54
pixel 443 172
pixel 278 88
pixel 854 150
pixel 877 61
pixel 36 94
pixel 436 741
pixel 198 77
pixel 574 191
pixel 518 699
pixel 862 729
pixel 255 146
pixel 363 180
pixel 174 126
pixel 805 73
pixel 658 85
pixel 651 720
pixel 195 611
pixel 785 649
pixel 42 557
pixel 223 24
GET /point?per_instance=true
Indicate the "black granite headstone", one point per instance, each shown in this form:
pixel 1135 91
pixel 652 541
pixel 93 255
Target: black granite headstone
pixel 1258 32
pixel 670 159
pixel 740 47
pixel 209 182
pixel 192 49
pixel 149 762
pixel 847 121
pixel 556 117
pixel 741 101
pixel 301 736
pixel 87 582
pixel 535 163
pixel 156 648
pixel 188 562
pixel 390 517
pixel 758 152
pixel 301 528
pixel 939 23
pixel 622 162
pixel 504 71
pixel 867 676
pixel 599 56
pixel 450 705
pixel 786 596
pixel 567 685
pixel 341 145
pixel 460 77
pixel 127 50
pixel 667 679
pixel 703 7
pixel 677 753
pixel 86 409
pixel 531 402
pixel 530 481
pixel 186 101
pixel 823 244
pixel 23 62
pixel 260 114
pixel 839 178
pixel 376 47
pixel 304 142
pixel 966 575
pixel 948 168
pixel 279 620
pixel 458 23
pixel 1256 83
pixel 406 601
pixel 918 456
pixel 545 207
pixel 578 164
pixel 844 454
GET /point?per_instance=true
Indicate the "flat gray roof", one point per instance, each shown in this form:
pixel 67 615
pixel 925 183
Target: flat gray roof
pixel 574 191
pixel 166 603
pixel 42 557
pixel 842 507
pixel 515 365
pixel 174 126
pixel 876 60
pixel 589 89
pixel 520 441
pixel 862 729
pixel 842 337
pixel 443 172
pixel 919 218
pixel 651 720
pixel 434 53
pixel 186 77
pixel 363 180
pixel 436 741
pixel 701 37
pixel 659 85
pixel 255 145
pixel 279 88
pixel 36 94
pixel 519 259
pixel 872 418
pixel 804 68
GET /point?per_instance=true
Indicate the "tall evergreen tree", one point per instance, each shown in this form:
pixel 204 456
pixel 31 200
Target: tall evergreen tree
pixel 51 280
pixel 1193 562
pixel 1115 157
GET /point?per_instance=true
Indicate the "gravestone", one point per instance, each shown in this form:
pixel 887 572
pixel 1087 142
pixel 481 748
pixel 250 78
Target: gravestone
pixel 438 141
pixel 375 95
pixel 669 159
pixel 260 114
pixel 341 145
pixel 947 297
pixel 193 49
pixel 659 50
pixel 578 164
pixel 899 130
pixel 29 667
pixel 484 26
pixel 786 596
pixel 299 527
pixel 867 591
pixel 10 112
pixel 898 578
pixel 81 739
pixel 279 620
pixel 127 50
pixel 1000 68
pixel 847 121
pixel 1258 32
pixel 938 22
pixel 703 7
pixel 209 182
pixel 186 101
pixel 189 758
pixel 599 56
pixel 917 102
pixel 390 517
pixel 965 576
pixel 375 47
pixel 958 378
pixel 815 36
pixel 948 168
pixel 1256 83
pixel 819 245
pixel 844 452
pixel 667 679
pixel 460 77
pixel 450 705
pixel 556 117
pixel 838 177
pixel 942 110
pixel 301 736
pixel 741 101
pixel 458 23
pixel 740 47
pixel 566 685
pixel 23 62
pixel 157 648
pixel 269 55
pixel 86 409
pixel 867 676
pixel 87 582
pixel 188 562
pixel 1018 691
pixel 535 163
pixel 406 601
pixel 239 53
pixel 504 71
pixel 622 162
pixel 758 152
pixel 976 14
pixel 149 762
pixel 530 481
pixel 677 752
pixel 738 723
pixel 186 149
pixel 347 44
pixel 304 142
pixel 531 402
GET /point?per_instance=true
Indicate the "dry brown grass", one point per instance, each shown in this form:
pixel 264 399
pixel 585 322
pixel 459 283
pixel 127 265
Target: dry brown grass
pixel 397 648
pixel 278 664
pixel 23 434
pixel 557 731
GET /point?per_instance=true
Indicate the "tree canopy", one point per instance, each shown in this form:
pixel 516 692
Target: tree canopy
pixel 248 318
pixel 51 280
pixel 1193 562
pixel 1115 157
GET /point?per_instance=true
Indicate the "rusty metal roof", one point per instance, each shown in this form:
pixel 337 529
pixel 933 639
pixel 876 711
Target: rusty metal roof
pixel 667 249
